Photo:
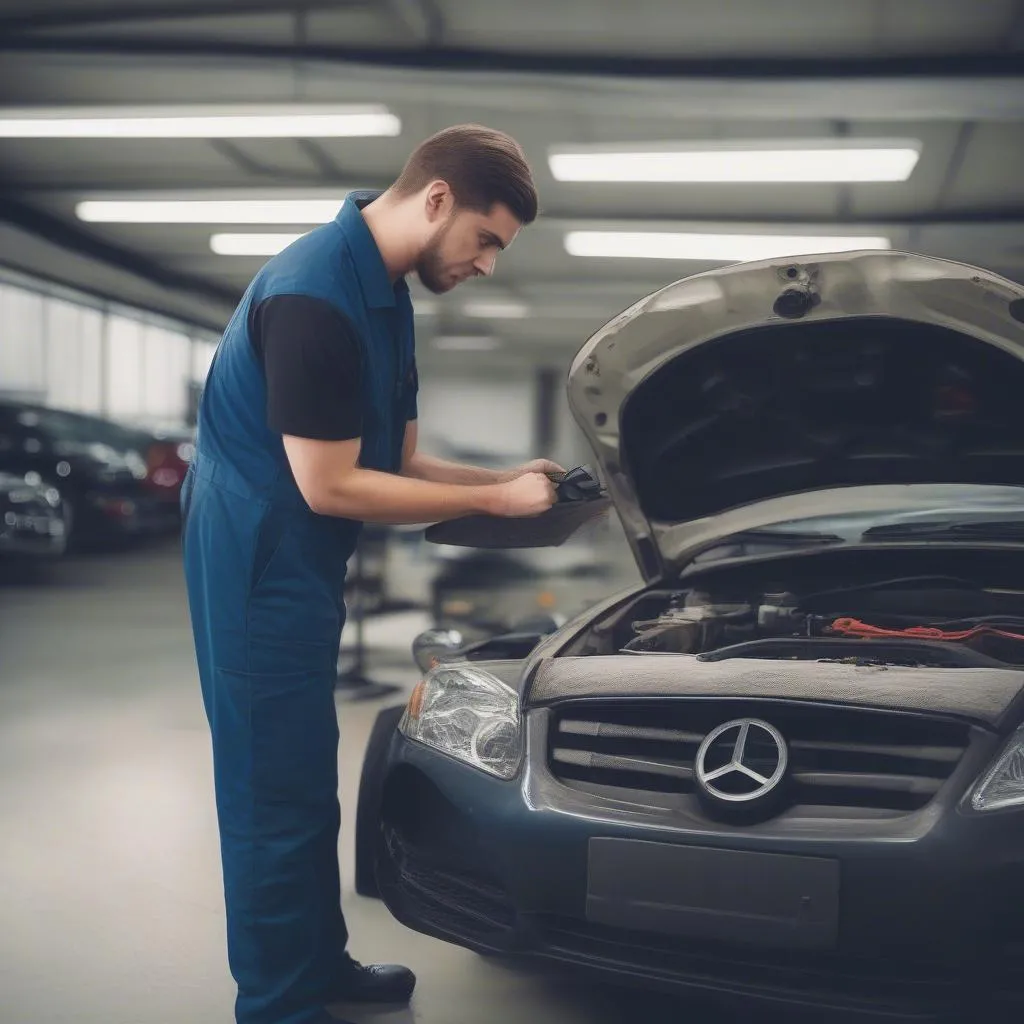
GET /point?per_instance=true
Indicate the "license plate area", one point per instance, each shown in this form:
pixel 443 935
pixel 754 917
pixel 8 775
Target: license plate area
pixel 758 899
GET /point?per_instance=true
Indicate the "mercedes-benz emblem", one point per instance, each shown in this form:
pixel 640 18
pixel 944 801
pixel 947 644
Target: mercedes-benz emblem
pixel 744 768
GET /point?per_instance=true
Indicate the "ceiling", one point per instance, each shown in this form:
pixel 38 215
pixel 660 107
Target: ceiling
pixel 946 73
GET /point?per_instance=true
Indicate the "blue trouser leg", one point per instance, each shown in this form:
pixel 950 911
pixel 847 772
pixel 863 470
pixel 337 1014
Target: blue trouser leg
pixel 273 722
pixel 275 763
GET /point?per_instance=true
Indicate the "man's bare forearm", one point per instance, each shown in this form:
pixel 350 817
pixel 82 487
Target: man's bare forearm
pixel 427 467
pixel 371 496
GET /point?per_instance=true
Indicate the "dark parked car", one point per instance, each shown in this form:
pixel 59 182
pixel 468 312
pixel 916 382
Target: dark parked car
pixel 31 518
pixel 788 768
pixel 115 480
pixel 485 592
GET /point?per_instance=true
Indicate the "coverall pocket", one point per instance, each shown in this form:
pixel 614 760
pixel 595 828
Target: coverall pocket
pixel 270 536
pixel 287 723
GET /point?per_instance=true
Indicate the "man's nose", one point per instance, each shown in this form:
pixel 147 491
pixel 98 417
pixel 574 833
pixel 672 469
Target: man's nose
pixel 484 266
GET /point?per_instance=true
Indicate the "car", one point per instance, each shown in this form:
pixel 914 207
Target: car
pixel 116 481
pixel 501 587
pixel 786 769
pixel 485 592
pixel 31 519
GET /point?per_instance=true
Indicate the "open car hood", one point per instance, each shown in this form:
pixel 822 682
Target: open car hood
pixel 762 392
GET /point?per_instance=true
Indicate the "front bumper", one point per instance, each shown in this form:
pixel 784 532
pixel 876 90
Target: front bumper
pixel 926 913
pixel 31 534
pixel 130 514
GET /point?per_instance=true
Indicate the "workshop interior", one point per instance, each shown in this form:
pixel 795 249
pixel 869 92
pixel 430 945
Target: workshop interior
pixel 734 730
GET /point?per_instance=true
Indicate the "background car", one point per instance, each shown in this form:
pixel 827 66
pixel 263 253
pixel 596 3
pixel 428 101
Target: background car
pixel 31 518
pixel 115 480
pixel 786 769
pixel 485 592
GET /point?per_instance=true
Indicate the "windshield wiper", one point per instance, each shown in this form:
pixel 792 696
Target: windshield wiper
pixel 783 538
pixel 979 529
pixel 746 544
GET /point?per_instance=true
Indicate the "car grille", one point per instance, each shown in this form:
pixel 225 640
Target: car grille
pixel 842 757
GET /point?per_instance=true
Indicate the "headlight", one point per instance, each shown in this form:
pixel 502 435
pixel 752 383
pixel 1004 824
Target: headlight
pixel 19 497
pixel 469 715
pixel 1003 785
pixel 136 465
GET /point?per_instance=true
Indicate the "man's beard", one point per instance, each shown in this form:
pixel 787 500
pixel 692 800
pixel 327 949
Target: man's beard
pixel 430 267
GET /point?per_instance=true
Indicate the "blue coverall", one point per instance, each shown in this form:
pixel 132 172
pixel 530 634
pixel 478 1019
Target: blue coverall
pixel 265 578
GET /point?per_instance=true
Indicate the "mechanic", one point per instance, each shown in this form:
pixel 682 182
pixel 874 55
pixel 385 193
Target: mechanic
pixel 307 429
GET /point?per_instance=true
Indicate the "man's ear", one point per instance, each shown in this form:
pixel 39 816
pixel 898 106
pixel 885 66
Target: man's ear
pixel 439 200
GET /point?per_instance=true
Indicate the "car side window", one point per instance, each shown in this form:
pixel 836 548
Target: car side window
pixel 15 437
pixel 8 440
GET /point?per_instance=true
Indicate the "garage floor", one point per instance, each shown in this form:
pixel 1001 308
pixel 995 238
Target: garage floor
pixel 112 906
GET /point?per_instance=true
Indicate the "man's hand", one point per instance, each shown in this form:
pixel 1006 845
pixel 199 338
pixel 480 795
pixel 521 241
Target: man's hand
pixel 333 483
pixel 545 466
pixel 528 495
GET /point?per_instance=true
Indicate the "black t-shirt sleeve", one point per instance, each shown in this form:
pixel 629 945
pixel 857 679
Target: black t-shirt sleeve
pixel 310 354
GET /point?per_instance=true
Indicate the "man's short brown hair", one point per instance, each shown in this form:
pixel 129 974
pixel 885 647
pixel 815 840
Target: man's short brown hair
pixel 481 165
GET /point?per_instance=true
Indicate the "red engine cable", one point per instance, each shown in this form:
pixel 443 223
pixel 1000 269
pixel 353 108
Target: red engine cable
pixel 856 628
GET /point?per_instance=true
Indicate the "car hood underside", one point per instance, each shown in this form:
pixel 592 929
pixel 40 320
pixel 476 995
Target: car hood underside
pixel 715 395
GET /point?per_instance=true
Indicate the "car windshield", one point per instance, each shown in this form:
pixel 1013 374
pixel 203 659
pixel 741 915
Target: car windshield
pixel 922 511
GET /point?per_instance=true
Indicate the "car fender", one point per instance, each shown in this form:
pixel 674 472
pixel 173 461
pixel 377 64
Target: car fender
pixel 371 786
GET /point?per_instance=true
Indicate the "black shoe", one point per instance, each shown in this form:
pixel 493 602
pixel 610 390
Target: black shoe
pixel 374 983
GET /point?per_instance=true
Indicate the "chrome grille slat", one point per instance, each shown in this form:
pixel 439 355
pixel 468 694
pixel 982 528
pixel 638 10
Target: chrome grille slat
pixel 866 780
pixel 946 754
pixel 585 728
pixel 611 762
pixel 838 756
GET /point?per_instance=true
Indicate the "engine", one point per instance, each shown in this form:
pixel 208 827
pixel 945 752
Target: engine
pixel 908 621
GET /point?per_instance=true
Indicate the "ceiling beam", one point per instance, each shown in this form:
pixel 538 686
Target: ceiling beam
pixel 72 191
pixel 189 318
pixel 67 236
pixel 318 155
pixel 955 164
pixel 790 94
pixel 236 155
pixel 132 11
pixel 422 17
pixel 478 59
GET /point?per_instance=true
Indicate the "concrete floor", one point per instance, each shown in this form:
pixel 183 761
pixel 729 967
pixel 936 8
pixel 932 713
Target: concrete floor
pixel 109 863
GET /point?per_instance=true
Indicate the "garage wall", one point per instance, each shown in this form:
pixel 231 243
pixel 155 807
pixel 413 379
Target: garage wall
pixel 492 417
pixel 73 352
pixel 476 415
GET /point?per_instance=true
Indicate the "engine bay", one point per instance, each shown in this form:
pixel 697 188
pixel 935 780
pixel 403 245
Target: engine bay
pixel 935 620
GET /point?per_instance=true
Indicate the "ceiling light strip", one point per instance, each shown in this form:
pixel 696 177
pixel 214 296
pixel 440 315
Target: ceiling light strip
pixel 741 163
pixel 711 248
pixel 264 121
pixel 245 244
pixel 209 211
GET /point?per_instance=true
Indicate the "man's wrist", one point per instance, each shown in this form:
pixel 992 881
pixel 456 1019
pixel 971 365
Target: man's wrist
pixel 486 499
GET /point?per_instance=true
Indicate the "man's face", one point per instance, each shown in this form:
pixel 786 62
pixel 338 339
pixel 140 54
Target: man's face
pixel 466 245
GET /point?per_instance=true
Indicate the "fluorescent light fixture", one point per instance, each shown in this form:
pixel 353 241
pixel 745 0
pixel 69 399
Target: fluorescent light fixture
pixel 496 309
pixel 846 160
pixel 237 121
pixel 425 307
pixel 251 244
pixel 717 248
pixel 209 211
pixel 466 343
